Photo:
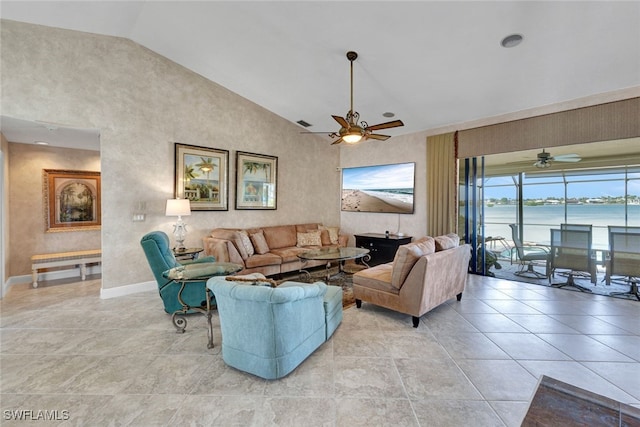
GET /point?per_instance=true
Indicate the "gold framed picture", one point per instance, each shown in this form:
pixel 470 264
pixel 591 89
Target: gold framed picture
pixel 71 200
pixel 202 176
pixel 256 181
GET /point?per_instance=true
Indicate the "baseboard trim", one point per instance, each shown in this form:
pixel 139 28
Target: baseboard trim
pixel 121 291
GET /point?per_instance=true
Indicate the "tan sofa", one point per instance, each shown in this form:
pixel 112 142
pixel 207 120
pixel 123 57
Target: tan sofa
pixel 270 250
pixel 423 275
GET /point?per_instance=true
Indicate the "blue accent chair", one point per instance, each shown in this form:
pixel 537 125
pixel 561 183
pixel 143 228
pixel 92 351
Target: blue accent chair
pixel 160 257
pixel 269 331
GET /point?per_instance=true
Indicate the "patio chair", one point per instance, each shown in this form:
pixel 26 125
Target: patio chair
pixel 624 260
pixel 527 254
pixel 571 250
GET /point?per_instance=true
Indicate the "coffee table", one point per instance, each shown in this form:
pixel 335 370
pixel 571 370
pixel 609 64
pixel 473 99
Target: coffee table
pixel 333 254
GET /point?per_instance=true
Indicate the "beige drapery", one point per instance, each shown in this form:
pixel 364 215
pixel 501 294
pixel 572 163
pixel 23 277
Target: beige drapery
pixel 442 184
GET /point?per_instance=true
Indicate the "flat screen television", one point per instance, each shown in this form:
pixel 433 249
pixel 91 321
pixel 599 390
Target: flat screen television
pixel 381 188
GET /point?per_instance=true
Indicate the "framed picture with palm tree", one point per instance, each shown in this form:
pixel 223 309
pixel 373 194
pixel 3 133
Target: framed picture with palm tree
pixel 256 181
pixel 71 200
pixel 202 176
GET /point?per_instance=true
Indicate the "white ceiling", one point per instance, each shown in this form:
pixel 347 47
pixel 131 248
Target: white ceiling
pixel 432 63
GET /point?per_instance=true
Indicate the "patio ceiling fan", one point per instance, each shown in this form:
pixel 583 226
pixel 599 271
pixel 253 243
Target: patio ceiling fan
pixel 351 130
pixel 545 159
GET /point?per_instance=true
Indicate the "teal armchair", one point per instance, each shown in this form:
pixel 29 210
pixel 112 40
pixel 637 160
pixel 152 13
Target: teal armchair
pixel 269 331
pixel 160 257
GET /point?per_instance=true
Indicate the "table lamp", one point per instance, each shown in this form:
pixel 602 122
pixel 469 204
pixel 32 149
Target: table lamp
pixel 179 207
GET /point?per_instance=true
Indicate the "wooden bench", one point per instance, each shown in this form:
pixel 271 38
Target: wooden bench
pixel 64 259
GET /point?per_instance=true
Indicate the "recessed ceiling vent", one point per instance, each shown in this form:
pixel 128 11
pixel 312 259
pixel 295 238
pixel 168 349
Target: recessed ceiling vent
pixel 303 123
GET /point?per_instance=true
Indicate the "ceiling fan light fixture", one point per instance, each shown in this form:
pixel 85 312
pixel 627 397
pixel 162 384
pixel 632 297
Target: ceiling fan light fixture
pixel 352 137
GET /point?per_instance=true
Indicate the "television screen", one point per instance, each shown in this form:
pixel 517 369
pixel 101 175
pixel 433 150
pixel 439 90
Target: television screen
pixel 382 188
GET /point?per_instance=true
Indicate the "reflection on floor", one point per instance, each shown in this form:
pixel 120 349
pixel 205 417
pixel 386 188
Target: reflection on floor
pixel 120 362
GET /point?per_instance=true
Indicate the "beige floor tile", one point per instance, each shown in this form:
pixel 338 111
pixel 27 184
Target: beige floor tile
pixel 352 412
pixel 435 379
pixel 526 347
pixel 120 361
pixel 453 413
pixel 584 348
pixel 367 377
pixel 499 379
pixel 511 413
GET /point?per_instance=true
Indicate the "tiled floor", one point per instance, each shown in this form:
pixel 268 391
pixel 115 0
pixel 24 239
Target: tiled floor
pixel 474 362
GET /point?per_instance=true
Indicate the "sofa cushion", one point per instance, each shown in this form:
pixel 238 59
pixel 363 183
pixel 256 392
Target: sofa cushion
pixel 246 243
pixel 406 257
pixel 289 254
pixel 447 242
pixel 303 228
pixel 259 260
pixel 334 232
pixel 311 238
pixel 259 243
pixel 378 278
pixel 233 236
pixel 280 236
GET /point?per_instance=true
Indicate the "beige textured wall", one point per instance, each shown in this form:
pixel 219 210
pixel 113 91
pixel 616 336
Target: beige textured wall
pixel 399 149
pixel 26 204
pixel 4 214
pixel 143 103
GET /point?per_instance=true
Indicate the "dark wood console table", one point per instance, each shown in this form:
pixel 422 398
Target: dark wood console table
pixel 382 249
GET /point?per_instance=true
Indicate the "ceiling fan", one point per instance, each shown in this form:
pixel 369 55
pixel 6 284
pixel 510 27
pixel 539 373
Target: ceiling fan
pixel 351 131
pixel 545 159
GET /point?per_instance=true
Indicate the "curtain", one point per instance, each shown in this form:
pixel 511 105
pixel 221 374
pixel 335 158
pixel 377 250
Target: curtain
pixel 442 184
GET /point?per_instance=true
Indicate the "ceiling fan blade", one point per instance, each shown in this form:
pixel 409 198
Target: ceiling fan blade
pixel 378 137
pixel 387 125
pixel 341 121
pixel 572 158
pixel 337 141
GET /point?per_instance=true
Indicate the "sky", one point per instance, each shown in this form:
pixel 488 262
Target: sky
pixel 392 176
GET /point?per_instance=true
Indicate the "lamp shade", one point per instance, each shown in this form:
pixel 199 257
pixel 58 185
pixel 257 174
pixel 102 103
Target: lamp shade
pixel 178 207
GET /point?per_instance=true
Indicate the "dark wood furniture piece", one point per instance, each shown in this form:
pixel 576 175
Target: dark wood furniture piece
pixel 187 253
pixel 556 403
pixel 382 248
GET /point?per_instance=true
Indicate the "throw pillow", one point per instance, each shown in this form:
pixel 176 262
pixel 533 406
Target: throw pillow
pixel 333 233
pixel 407 256
pixel 255 281
pixel 246 242
pixel 324 238
pixel 455 238
pixel 445 242
pixel 311 238
pixel 259 243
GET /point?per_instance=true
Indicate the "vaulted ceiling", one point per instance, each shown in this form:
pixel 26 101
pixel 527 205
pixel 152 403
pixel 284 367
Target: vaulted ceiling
pixel 433 64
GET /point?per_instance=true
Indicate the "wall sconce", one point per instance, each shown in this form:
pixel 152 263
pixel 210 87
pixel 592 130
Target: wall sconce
pixel 179 207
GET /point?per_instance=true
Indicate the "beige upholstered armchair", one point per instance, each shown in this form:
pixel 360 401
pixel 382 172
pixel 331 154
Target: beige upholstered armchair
pixel 423 275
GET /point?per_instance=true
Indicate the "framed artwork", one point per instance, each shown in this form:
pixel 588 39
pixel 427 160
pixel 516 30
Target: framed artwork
pixel 71 200
pixel 202 176
pixel 380 188
pixel 256 181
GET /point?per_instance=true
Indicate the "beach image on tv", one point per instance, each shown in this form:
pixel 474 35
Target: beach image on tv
pixel 382 188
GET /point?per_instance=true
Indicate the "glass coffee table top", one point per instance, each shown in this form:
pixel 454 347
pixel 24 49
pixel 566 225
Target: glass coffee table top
pixel 334 254
pixel 338 254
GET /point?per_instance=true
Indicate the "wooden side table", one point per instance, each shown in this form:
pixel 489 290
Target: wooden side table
pixel 187 253
pixel 383 248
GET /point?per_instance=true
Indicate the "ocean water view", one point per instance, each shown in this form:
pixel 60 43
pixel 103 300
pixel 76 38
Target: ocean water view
pixel 539 219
